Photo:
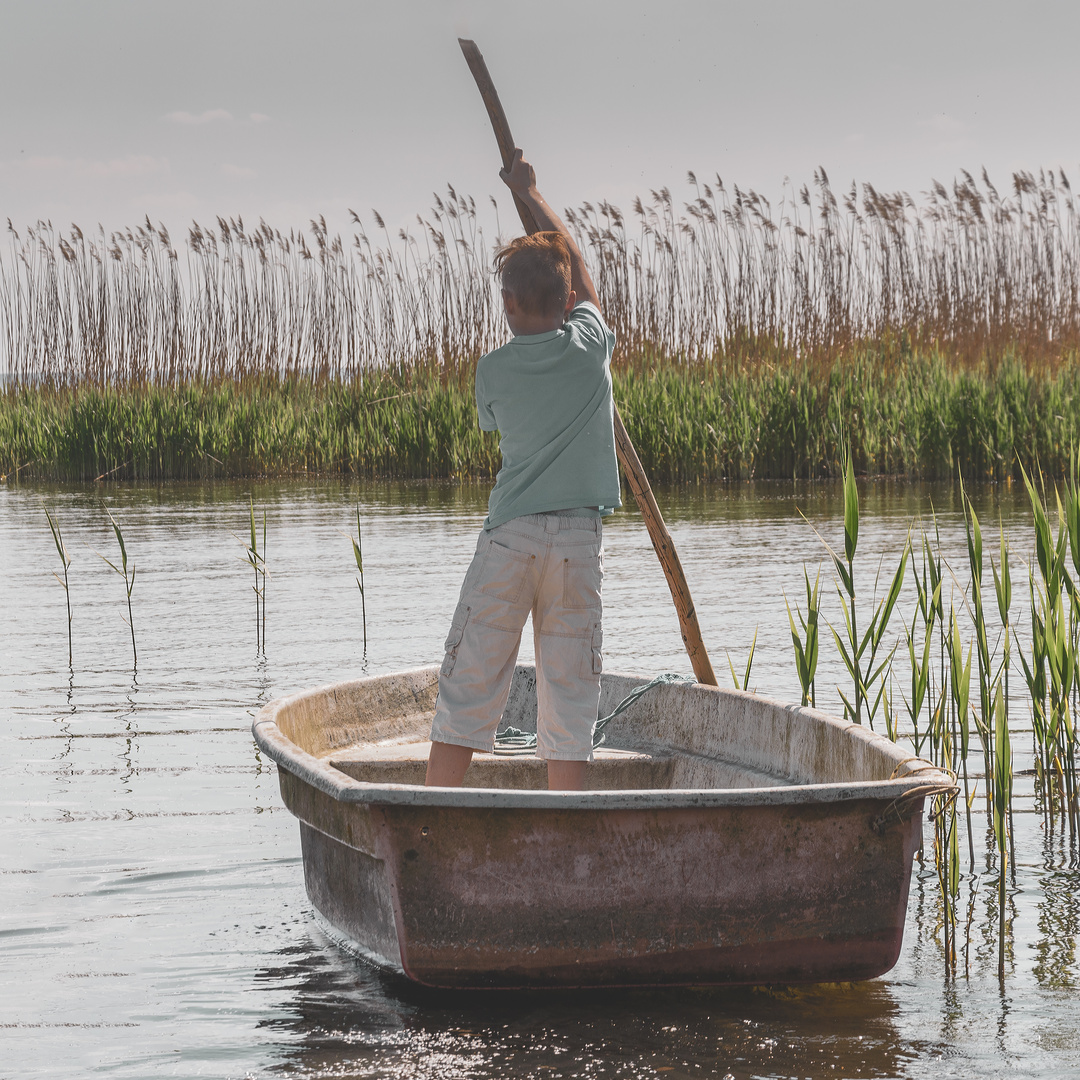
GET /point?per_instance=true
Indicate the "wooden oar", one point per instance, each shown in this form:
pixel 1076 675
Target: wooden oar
pixel 635 474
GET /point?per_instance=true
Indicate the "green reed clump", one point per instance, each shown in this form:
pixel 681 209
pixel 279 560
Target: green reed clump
pixel 376 427
pixel 944 709
pixel 1054 669
pixel 903 414
pixel 912 414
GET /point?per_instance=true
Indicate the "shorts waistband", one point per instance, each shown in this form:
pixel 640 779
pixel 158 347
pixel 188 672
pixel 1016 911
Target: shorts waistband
pixel 552 523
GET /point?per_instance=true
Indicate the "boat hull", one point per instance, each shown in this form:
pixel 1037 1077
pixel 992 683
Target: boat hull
pixel 521 897
pixel 791 865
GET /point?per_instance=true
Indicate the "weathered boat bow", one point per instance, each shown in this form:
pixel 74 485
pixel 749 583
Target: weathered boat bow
pixel 726 838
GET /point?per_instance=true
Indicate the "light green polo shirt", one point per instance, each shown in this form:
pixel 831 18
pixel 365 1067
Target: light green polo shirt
pixel 549 397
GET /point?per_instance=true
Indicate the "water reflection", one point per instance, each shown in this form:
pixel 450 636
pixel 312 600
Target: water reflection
pixel 142 832
pixel 1059 926
pixel 345 1019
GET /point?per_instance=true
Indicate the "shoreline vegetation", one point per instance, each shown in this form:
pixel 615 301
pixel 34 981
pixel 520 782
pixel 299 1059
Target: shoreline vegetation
pixel 919 418
pixel 754 340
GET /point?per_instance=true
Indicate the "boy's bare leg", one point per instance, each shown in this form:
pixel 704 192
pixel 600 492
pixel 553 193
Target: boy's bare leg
pixel 447 764
pixel 566 775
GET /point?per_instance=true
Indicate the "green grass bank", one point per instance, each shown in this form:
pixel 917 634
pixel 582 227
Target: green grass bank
pixel 913 415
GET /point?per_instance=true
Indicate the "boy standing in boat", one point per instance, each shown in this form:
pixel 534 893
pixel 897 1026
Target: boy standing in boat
pixel 548 393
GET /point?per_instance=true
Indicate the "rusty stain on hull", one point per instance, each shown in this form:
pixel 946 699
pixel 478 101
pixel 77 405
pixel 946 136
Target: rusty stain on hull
pixel 779 876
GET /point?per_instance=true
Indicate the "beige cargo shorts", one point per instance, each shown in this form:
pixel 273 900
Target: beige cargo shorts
pixel 551 566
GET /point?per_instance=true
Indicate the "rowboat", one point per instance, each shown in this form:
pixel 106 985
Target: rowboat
pixel 725 839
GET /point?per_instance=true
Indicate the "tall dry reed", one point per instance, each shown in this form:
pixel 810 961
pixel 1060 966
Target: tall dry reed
pixel 970 272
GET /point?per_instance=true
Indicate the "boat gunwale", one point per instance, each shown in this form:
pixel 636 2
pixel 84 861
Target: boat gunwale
pixel 921 780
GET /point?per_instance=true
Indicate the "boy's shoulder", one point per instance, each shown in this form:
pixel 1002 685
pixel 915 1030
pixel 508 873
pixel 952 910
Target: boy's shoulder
pixel 587 323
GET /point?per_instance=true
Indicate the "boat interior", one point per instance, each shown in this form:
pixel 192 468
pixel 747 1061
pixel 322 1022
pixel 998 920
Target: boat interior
pixel 674 737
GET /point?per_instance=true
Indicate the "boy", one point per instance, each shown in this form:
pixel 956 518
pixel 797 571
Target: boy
pixel 548 393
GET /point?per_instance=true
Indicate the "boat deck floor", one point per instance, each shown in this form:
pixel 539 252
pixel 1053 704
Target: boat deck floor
pixel 612 768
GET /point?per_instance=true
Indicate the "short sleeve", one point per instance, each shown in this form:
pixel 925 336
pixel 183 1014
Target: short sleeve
pixel 483 410
pixel 589 327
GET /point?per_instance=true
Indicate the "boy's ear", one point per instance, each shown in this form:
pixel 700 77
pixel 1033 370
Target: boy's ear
pixel 509 301
pixel 571 303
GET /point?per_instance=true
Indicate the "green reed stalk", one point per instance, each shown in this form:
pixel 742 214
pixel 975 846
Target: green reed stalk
pixel 936 579
pixel 1072 585
pixel 921 669
pixel 920 680
pixel 960 684
pixel 946 843
pixel 359 555
pixel 860 653
pixel 851 651
pixel 1035 678
pixel 1002 803
pixel 257 561
pixel 1003 591
pixel 805 644
pixel 61 550
pixel 129 580
pixel 984 717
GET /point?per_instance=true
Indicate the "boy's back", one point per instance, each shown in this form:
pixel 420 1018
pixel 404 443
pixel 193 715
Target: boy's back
pixel 549 395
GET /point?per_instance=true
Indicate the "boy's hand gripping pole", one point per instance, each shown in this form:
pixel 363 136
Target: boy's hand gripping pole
pixel 635 474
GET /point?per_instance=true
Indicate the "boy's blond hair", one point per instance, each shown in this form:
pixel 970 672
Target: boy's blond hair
pixel 536 269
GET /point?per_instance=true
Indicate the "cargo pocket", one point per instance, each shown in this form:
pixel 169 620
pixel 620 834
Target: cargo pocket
pixel 453 639
pixel 592 661
pixel 582 582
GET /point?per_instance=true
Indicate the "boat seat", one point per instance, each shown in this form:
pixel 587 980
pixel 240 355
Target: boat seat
pixel 406 763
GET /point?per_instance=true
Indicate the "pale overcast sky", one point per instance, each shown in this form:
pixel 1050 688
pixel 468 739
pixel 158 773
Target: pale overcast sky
pixel 111 110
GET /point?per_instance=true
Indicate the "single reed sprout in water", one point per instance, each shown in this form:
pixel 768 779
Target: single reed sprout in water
pixel 1002 802
pixel 745 683
pixel 61 550
pixel 359 555
pixel 256 559
pixel 805 643
pixel 129 579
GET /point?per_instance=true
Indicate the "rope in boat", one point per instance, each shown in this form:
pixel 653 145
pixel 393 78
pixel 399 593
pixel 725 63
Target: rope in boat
pixel 513 742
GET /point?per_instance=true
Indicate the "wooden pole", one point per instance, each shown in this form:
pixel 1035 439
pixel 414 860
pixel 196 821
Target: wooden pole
pixel 635 474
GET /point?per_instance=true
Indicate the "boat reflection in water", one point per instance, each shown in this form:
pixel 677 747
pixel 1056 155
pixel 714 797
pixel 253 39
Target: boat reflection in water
pixel 725 839
pixel 342 1017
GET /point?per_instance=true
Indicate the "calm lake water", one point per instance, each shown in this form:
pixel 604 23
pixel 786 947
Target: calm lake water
pixel 153 918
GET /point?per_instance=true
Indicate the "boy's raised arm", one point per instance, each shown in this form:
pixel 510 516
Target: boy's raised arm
pixel 521 180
